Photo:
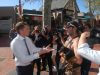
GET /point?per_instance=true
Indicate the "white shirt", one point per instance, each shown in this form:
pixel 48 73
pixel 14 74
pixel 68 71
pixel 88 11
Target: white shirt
pixel 22 58
pixel 89 54
pixel 36 36
pixel 54 51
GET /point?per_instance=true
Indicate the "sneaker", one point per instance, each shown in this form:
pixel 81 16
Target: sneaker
pixel 54 68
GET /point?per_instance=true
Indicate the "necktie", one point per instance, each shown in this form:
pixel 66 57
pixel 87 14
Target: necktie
pixel 26 46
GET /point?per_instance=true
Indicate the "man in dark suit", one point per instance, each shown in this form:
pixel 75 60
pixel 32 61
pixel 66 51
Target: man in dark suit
pixel 39 42
pixel 47 59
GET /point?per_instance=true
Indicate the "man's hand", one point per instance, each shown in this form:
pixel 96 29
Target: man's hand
pixel 33 32
pixel 85 35
pixel 45 50
pixel 83 38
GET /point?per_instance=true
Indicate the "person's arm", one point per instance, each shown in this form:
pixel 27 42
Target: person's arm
pixel 39 50
pixel 89 53
pixel 33 32
pixel 33 47
pixel 83 38
pixel 85 51
pixel 75 47
pixel 62 41
pixel 11 34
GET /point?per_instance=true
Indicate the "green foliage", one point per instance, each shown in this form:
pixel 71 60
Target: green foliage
pixel 94 5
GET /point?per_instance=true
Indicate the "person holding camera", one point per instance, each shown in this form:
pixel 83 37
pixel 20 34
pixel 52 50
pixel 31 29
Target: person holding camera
pixel 85 51
pixel 86 64
pixel 38 41
pixel 24 50
pixel 47 58
pixel 60 34
pixel 72 63
pixel 12 33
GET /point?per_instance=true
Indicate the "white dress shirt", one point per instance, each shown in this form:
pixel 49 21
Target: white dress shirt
pixel 89 54
pixel 36 36
pixel 54 51
pixel 22 58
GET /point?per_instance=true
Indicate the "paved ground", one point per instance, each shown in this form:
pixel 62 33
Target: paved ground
pixel 7 66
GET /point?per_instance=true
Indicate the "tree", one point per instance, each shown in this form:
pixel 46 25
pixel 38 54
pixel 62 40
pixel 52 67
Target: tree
pixel 47 13
pixel 94 6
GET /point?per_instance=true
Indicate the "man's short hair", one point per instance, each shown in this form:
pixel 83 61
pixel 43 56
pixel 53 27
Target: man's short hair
pixel 20 25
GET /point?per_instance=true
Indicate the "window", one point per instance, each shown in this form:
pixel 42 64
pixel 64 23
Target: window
pixel 5 18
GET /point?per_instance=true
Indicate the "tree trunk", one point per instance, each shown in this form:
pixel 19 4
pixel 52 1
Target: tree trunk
pixel 47 13
pixel 90 13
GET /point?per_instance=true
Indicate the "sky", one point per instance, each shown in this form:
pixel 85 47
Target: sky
pixel 36 5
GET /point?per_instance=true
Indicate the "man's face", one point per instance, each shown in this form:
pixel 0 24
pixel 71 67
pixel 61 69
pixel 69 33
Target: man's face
pixel 36 28
pixel 69 30
pixel 26 30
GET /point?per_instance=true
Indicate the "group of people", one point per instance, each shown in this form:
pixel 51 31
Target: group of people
pixel 65 51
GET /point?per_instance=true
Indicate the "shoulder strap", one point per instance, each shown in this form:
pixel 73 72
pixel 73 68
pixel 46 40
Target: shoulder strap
pixel 70 42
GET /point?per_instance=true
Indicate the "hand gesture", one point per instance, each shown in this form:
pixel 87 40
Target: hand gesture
pixel 45 50
pixel 85 34
pixel 49 49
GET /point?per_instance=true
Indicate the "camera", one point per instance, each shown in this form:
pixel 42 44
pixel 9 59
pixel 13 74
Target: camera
pixel 68 53
pixel 95 33
pixel 59 32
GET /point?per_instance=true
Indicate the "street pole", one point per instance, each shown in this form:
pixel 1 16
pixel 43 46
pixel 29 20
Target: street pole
pixel 43 15
pixel 90 12
pixel 20 9
pixel 47 13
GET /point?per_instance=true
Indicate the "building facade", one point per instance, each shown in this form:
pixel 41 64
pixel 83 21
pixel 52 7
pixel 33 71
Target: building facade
pixel 7 18
pixel 63 10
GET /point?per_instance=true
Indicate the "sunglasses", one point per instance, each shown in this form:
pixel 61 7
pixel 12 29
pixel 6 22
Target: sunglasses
pixel 70 25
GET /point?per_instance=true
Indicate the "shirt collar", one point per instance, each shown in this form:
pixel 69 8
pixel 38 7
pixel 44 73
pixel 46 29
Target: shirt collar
pixel 20 37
